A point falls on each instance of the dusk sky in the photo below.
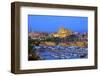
(47, 23)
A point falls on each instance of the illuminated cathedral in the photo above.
(62, 32)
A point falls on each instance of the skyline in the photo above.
(48, 23)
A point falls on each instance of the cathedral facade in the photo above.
(62, 33)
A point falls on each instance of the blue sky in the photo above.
(47, 23)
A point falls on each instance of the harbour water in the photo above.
(61, 52)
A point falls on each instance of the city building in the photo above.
(62, 33)
(37, 35)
